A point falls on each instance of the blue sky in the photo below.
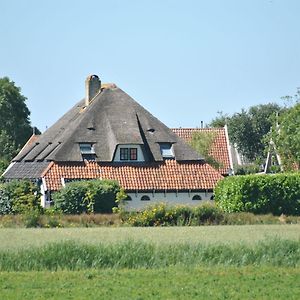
(182, 60)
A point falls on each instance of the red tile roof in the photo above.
(219, 150)
(167, 175)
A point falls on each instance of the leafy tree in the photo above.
(248, 128)
(286, 137)
(15, 128)
(219, 121)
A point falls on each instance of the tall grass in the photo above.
(131, 254)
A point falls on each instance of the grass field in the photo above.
(167, 283)
(11, 238)
(209, 262)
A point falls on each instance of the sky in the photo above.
(184, 61)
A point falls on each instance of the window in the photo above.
(128, 154)
(145, 198)
(87, 151)
(128, 198)
(133, 153)
(197, 197)
(166, 150)
(124, 153)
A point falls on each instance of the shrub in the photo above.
(19, 196)
(94, 196)
(206, 214)
(247, 169)
(180, 215)
(31, 218)
(276, 194)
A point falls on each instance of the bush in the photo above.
(31, 218)
(181, 215)
(19, 196)
(247, 169)
(94, 196)
(261, 194)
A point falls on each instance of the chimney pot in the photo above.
(92, 88)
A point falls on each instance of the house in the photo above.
(108, 135)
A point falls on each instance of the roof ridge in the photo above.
(47, 169)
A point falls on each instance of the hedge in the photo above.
(18, 197)
(93, 196)
(261, 194)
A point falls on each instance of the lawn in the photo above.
(167, 283)
(12, 238)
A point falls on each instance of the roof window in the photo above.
(87, 150)
(166, 150)
(128, 154)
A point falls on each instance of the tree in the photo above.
(219, 121)
(247, 129)
(15, 128)
(286, 136)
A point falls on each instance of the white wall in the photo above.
(140, 155)
(172, 198)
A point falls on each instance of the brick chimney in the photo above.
(92, 88)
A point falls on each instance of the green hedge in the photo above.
(18, 197)
(94, 196)
(262, 194)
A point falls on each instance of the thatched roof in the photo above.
(112, 118)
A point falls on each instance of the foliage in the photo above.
(162, 214)
(277, 194)
(120, 201)
(247, 169)
(78, 197)
(52, 219)
(220, 121)
(19, 196)
(31, 218)
(248, 128)
(3, 166)
(287, 137)
(202, 143)
(15, 128)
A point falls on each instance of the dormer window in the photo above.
(87, 151)
(166, 150)
(128, 154)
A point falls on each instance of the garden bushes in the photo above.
(94, 196)
(162, 214)
(261, 194)
(19, 197)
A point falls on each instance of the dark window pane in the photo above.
(133, 153)
(124, 153)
